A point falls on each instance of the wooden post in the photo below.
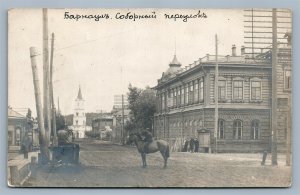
(216, 97)
(288, 135)
(47, 110)
(14, 175)
(122, 134)
(274, 86)
(51, 93)
(42, 133)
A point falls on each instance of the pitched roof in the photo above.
(175, 61)
(13, 114)
(79, 96)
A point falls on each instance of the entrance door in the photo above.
(204, 142)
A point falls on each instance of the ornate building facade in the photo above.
(186, 102)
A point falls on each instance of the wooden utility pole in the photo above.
(216, 97)
(122, 134)
(288, 136)
(47, 110)
(274, 86)
(51, 92)
(39, 108)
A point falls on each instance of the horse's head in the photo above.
(133, 137)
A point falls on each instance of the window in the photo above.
(191, 90)
(182, 95)
(201, 90)
(255, 90)
(18, 136)
(178, 96)
(196, 91)
(76, 113)
(237, 129)
(174, 97)
(222, 90)
(186, 94)
(163, 101)
(255, 129)
(237, 90)
(221, 129)
(287, 79)
(76, 122)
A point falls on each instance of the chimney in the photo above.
(233, 50)
(207, 56)
(243, 50)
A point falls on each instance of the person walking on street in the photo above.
(185, 145)
(196, 145)
(192, 145)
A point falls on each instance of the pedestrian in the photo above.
(185, 145)
(196, 145)
(192, 145)
(25, 145)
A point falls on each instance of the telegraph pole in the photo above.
(122, 134)
(274, 86)
(51, 92)
(39, 108)
(47, 110)
(216, 97)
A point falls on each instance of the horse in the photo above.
(155, 146)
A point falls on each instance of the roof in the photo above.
(174, 67)
(79, 96)
(175, 61)
(13, 114)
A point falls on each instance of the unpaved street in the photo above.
(108, 165)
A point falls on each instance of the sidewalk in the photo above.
(18, 160)
(281, 158)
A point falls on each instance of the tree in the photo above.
(142, 107)
(60, 122)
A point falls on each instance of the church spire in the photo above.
(79, 96)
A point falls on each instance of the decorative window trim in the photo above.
(243, 88)
(235, 136)
(225, 98)
(219, 132)
(284, 78)
(255, 79)
(258, 130)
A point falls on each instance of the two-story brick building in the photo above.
(186, 105)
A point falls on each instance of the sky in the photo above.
(104, 56)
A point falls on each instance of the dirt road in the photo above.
(103, 164)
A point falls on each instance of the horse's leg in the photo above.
(144, 159)
(165, 155)
(142, 155)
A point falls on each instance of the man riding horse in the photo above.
(148, 139)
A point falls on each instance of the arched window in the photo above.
(237, 129)
(255, 129)
(221, 129)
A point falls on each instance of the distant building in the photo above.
(103, 125)
(19, 126)
(79, 118)
(186, 102)
(118, 102)
(118, 122)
